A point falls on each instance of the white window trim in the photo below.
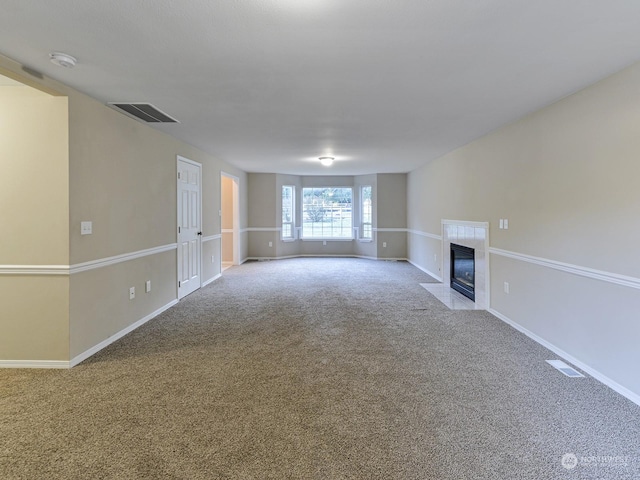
(292, 238)
(289, 239)
(362, 223)
(358, 238)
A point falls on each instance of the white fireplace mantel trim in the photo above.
(466, 223)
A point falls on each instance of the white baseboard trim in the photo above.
(615, 386)
(287, 257)
(313, 255)
(211, 280)
(34, 364)
(428, 272)
(96, 348)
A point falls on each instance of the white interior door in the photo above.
(189, 226)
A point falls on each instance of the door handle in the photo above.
(199, 233)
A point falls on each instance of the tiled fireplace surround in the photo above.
(473, 235)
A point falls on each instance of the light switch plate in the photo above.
(132, 293)
(506, 224)
(147, 286)
(86, 228)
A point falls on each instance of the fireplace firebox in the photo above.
(463, 270)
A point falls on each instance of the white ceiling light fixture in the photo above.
(63, 60)
(326, 161)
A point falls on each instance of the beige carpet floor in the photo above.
(316, 369)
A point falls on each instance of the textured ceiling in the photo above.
(384, 86)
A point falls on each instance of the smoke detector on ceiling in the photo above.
(63, 60)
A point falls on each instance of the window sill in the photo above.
(288, 240)
(365, 240)
(327, 239)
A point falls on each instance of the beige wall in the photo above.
(35, 317)
(566, 179)
(100, 305)
(262, 198)
(123, 178)
(34, 200)
(91, 163)
(392, 214)
(210, 269)
(265, 218)
(34, 185)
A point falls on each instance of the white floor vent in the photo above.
(564, 368)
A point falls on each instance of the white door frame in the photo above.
(235, 215)
(199, 244)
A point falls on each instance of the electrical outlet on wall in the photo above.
(213, 259)
(506, 287)
(147, 286)
(271, 244)
(384, 244)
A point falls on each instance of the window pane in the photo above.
(287, 211)
(327, 212)
(367, 230)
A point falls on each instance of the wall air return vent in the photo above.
(143, 111)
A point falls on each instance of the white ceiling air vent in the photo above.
(143, 111)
